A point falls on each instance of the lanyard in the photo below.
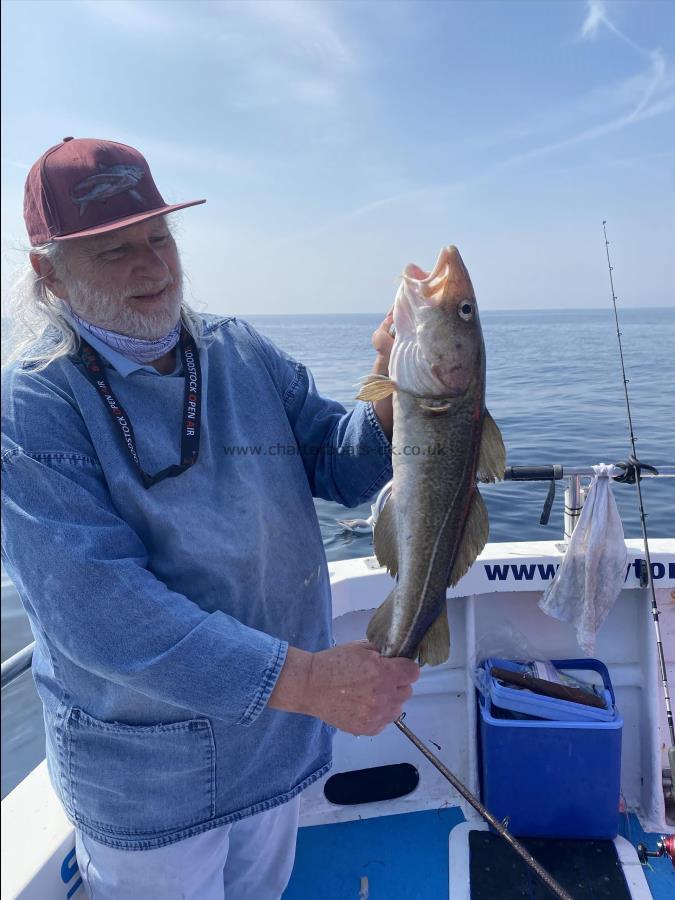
(190, 427)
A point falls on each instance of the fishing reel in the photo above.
(665, 846)
(632, 470)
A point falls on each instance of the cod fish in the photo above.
(435, 523)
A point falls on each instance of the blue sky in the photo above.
(338, 141)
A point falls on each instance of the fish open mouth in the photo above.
(434, 352)
(428, 286)
(448, 276)
(420, 289)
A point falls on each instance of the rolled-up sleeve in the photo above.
(346, 455)
(83, 573)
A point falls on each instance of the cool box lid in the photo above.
(522, 700)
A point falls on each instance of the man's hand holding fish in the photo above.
(350, 686)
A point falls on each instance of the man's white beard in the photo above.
(107, 310)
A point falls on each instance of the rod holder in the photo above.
(574, 503)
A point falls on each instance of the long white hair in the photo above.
(41, 331)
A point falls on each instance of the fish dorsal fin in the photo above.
(474, 539)
(376, 387)
(384, 538)
(434, 647)
(492, 457)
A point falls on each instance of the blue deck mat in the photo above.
(405, 857)
(660, 874)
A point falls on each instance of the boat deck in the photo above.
(405, 857)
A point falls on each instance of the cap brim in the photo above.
(127, 220)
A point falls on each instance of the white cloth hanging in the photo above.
(593, 570)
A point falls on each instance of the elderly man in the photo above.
(177, 589)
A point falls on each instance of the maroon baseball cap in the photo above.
(84, 186)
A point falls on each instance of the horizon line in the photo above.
(484, 309)
(491, 309)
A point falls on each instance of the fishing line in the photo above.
(633, 474)
(498, 826)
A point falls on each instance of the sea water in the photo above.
(554, 387)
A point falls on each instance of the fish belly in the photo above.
(432, 493)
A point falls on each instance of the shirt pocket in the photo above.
(139, 780)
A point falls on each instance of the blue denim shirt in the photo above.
(162, 617)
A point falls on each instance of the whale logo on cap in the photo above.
(107, 183)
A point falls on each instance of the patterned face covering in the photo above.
(137, 349)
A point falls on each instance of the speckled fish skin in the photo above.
(434, 524)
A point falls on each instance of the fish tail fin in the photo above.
(434, 648)
(379, 626)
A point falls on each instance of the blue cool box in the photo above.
(518, 700)
(552, 778)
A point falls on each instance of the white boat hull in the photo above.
(501, 591)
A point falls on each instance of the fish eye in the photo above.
(466, 311)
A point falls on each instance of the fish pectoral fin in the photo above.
(492, 456)
(385, 541)
(434, 647)
(376, 387)
(474, 539)
(380, 625)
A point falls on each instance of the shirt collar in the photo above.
(120, 363)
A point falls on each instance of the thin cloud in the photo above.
(15, 164)
(416, 194)
(621, 161)
(658, 108)
(178, 154)
(131, 15)
(273, 83)
(656, 98)
(658, 76)
(419, 194)
(307, 25)
(596, 17)
(188, 157)
(287, 52)
(276, 51)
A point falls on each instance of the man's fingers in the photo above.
(387, 321)
(403, 670)
(367, 645)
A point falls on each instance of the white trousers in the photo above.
(249, 860)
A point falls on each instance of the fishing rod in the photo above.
(498, 826)
(633, 474)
